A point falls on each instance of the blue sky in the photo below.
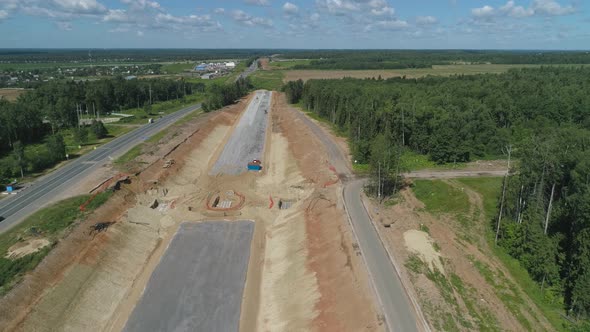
(414, 24)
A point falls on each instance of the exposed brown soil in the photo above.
(461, 247)
(264, 63)
(304, 272)
(26, 247)
(11, 94)
(345, 303)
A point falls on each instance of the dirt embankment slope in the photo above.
(305, 272)
(81, 283)
(456, 277)
(345, 302)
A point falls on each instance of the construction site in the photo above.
(234, 220)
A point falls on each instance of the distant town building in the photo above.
(230, 65)
(201, 67)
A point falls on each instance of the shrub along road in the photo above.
(41, 192)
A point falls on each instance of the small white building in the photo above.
(230, 65)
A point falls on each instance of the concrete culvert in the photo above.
(285, 204)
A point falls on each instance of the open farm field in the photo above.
(11, 94)
(443, 70)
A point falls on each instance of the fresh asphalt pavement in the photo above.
(398, 312)
(397, 309)
(41, 192)
(248, 138)
(199, 282)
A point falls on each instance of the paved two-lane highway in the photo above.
(399, 311)
(41, 192)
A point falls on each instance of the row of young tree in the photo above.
(39, 116)
(220, 95)
(541, 116)
(60, 104)
(399, 59)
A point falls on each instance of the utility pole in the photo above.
(78, 114)
(150, 94)
(403, 129)
(379, 181)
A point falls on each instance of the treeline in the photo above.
(541, 116)
(38, 116)
(401, 59)
(125, 55)
(545, 220)
(220, 95)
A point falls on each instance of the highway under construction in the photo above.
(199, 241)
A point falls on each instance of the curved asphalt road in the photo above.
(41, 192)
(400, 314)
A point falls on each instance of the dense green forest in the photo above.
(38, 116)
(542, 116)
(400, 59)
(123, 55)
(220, 95)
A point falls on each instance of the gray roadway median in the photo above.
(43, 191)
(199, 281)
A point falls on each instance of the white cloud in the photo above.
(140, 5)
(258, 2)
(338, 7)
(116, 15)
(550, 7)
(538, 7)
(483, 12)
(65, 26)
(426, 20)
(393, 24)
(219, 10)
(511, 9)
(140, 33)
(3, 15)
(290, 9)
(245, 19)
(383, 11)
(80, 6)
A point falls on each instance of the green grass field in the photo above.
(177, 68)
(490, 189)
(287, 64)
(440, 197)
(49, 223)
(267, 79)
(440, 70)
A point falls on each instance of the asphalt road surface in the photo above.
(253, 67)
(397, 309)
(41, 192)
(395, 304)
(198, 284)
(248, 138)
